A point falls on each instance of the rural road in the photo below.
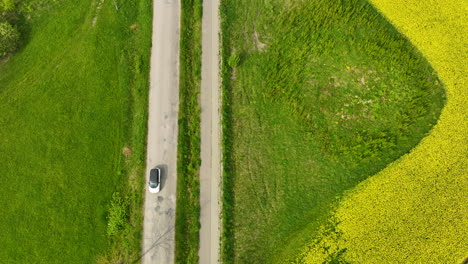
(210, 170)
(159, 208)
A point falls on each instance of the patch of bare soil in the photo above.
(260, 45)
(134, 26)
(126, 151)
(233, 74)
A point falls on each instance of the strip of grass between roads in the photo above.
(227, 196)
(188, 154)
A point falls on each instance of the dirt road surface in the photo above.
(159, 208)
(210, 170)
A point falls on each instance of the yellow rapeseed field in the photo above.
(415, 210)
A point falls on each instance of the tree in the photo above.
(9, 38)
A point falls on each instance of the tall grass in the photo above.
(227, 195)
(372, 96)
(188, 159)
(324, 95)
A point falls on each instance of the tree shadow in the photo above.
(24, 27)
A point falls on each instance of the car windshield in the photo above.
(154, 178)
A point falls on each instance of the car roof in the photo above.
(154, 173)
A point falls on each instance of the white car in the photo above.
(155, 180)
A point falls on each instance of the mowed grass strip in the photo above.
(325, 94)
(414, 211)
(72, 128)
(188, 155)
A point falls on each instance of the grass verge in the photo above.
(188, 154)
(126, 243)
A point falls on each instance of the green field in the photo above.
(72, 131)
(326, 94)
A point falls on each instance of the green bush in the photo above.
(7, 5)
(234, 60)
(118, 214)
(9, 38)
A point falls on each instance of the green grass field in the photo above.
(70, 100)
(326, 94)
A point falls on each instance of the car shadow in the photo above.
(163, 168)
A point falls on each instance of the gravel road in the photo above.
(159, 208)
(210, 170)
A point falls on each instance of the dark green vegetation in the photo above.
(325, 94)
(9, 38)
(73, 103)
(188, 156)
(10, 15)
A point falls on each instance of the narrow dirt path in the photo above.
(210, 170)
(159, 210)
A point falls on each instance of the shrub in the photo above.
(118, 214)
(7, 5)
(234, 60)
(9, 38)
